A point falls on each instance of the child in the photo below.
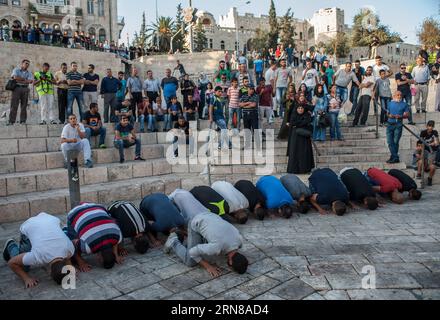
(431, 137)
(174, 110)
(383, 89)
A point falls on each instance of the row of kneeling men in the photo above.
(198, 223)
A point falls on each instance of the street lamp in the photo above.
(237, 40)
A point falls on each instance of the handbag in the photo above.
(342, 117)
(11, 85)
(303, 132)
(324, 120)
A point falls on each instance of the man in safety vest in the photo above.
(44, 81)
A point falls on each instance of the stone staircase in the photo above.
(32, 177)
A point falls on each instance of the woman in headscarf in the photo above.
(320, 102)
(289, 102)
(203, 85)
(300, 150)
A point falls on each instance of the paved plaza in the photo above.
(309, 257)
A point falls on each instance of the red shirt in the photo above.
(265, 95)
(387, 183)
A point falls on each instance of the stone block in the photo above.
(152, 186)
(32, 145)
(7, 164)
(95, 175)
(120, 172)
(12, 210)
(171, 185)
(142, 169)
(37, 131)
(53, 144)
(51, 205)
(293, 289)
(221, 170)
(23, 184)
(55, 130)
(161, 167)
(86, 196)
(13, 132)
(9, 147)
(30, 162)
(180, 168)
(52, 181)
(54, 160)
(152, 151)
(106, 155)
(148, 138)
(3, 190)
(128, 193)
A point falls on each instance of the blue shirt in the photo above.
(134, 84)
(218, 104)
(110, 85)
(169, 86)
(397, 108)
(275, 193)
(159, 208)
(258, 65)
(121, 92)
(327, 185)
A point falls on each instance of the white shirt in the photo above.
(310, 77)
(161, 110)
(48, 240)
(368, 91)
(235, 199)
(377, 69)
(70, 132)
(270, 75)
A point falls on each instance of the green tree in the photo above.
(141, 38)
(340, 45)
(287, 27)
(179, 40)
(273, 24)
(200, 40)
(429, 33)
(259, 41)
(161, 32)
(368, 29)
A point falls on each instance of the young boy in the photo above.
(182, 127)
(265, 93)
(73, 138)
(383, 89)
(93, 124)
(191, 108)
(216, 115)
(125, 137)
(123, 110)
(234, 105)
(431, 137)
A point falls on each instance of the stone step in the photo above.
(363, 166)
(21, 207)
(53, 160)
(44, 180)
(337, 159)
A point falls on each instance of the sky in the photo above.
(399, 15)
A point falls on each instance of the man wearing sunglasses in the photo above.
(404, 80)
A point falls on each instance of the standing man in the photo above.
(20, 95)
(90, 89)
(283, 77)
(109, 88)
(134, 86)
(61, 82)
(379, 66)
(169, 86)
(342, 78)
(397, 111)
(310, 77)
(122, 91)
(404, 80)
(234, 105)
(152, 87)
(359, 72)
(436, 75)
(216, 115)
(366, 93)
(75, 81)
(420, 74)
(258, 68)
(44, 81)
(249, 105)
(431, 137)
(242, 74)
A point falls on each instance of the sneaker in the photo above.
(139, 158)
(419, 176)
(42, 123)
(103, 146)
(412, 123)
(418, 111)
(9, 124)
(121, 161)
(89, 164)
(6, 255)
(169, 244)
(54, 122)
(429, 182)
(424, 111)
(23, 122)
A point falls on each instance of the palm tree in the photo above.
(161, 32)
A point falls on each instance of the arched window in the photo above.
(92, 31)
(4, 22)
(18, 22)
(222, 45)
(102, 35)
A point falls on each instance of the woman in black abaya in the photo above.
(299, 150)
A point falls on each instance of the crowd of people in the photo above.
(197, 224)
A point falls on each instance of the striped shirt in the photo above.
(129, 219)
(74, 76)
(234, 97)
(95, 229)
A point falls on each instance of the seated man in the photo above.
(151, 115)
(238, 204)
(133, 225)
(359, 188)
(408, 184)
(125, 137)
(123, 109)
(299, 191)
(278, 200)
(188, 205)
(142, 109)
(161, 213)
(431, 137)
(209, 235)
(254, 196)
(385, 184)
(191, 108)
(93, 124)
(213, 201)
(328, 190)
(43, 242)
(427, 165)
(182, 131)
(93, 231)
(73, 138)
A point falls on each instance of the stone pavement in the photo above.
(310, 257)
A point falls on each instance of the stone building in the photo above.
(97, 17)
(223, 35)
(393, 53)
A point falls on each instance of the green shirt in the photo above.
(45, 86)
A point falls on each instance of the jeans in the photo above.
(141, 119)
(189, 141)
(151, 122)
(362, 109)
(343, 94)
(221, 124)
(265, 111)
(71, 97)
(102, 132)
(122, 144)
(280, 105)
(83, 145)
(354, 95)
(24, 246)
(394, 133)
(335, 130)
(194, 239)
(167, 122)
(383, 114)
(258, 76)
(408, 99)
(236, 111)
(318, 132)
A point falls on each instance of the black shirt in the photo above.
(407, 182)
(211, 200)
(90, 87)
(404, 88)
(191, 106)
(129, 219)
(250, 191)
(429, 138)
(327, 185)
(357, 185)
(185, 127)
(92, 119)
